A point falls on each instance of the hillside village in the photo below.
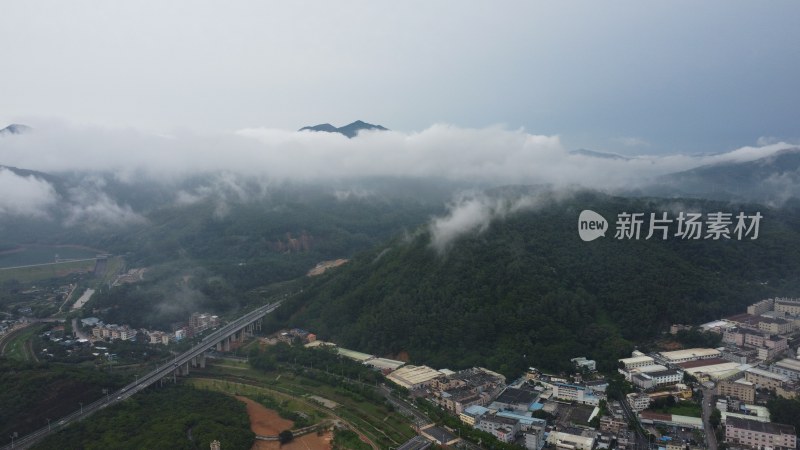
(674, 395)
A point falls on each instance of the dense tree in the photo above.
(784, 410)
(529, 292)
(173, 417)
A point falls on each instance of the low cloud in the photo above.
(473, 213)
(630, 141)
(25, 195)
(491, 156)
(88, 205)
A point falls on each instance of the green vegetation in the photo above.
(54, 270)
(32, 393)
(528, 292)
(172, 417)
(668, 405)
(348, 440)
(20, 346)
(696, 338)
(358, 402)
(786, 411)
(26, 255)
(298, 412)
(715, 418)
(285, 436)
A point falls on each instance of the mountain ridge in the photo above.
(350, 130)
(16, 128)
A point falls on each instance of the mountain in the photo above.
(56, 181)
(321, 127)
(596, 154)
(350, 130)
(528, 292)
(15, 128)
(772, 179)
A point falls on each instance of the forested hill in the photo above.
(528, 291)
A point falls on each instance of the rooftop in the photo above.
(352, 354)
(516, 396)
(495, 418)
(789, 363)
(760, 427)
(439, 434)
(768, 374)
(703, 363)
(383, 363)
(771, 320)
(408, 376)
(649, 368)
(665, 373)
(690, 353)
(636, 359)
(476, 410)
(747, 319)
(792, 302)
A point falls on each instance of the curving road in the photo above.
(153, 376)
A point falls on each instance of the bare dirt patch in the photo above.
(263, 421)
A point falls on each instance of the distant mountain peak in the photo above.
(596, 154)
(349, 130)
(16, 128)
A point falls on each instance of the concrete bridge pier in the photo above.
(199, 361)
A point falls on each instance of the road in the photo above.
(67, 297)
(144, 381)
(711, 437)
(641, 440)
(405, 408)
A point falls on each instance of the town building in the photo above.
(611, 424)
(459, 390)
(764, 378)
(756, 309)
(787, 366)
(739, 355)
(199, 322)
(576, 393)
(561, 439)
(414, 377)
(638, 401)
(758, 435)
(690, 354)
(503, 428)
(657, 379)
(534, 440)
(775, 326)
(114, 332)
(472, 414)
(526, 421)
(636, 361)
(789, 306)
(515, 399)
(741, 389)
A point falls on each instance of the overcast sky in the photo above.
(627, 76)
